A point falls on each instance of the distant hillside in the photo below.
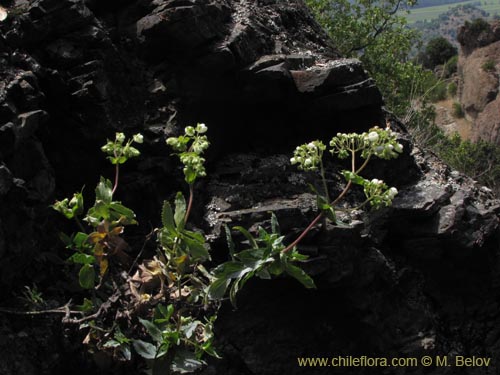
(447, 24)
(432, 3)
(432, 12)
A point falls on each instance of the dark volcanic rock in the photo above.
(417, 278)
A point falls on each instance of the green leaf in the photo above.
(104, 191)
(86, 277)
(121, 210)
(153, 330)
(66, 240)
(230, 242)
(218, 287)
(86, 306)
(300, 275)
(251, 255)
(275, 227)
(180, 210)
(145, 349)
(190, 175)
(354, 178)
(80, 240)
(189, 328)
(231, 270)
(111, 344)
(124, 350)
(248, 236)
(186, 362)
(196, 250)
(264, 274)
(163, 313)
(198, 237)
(167, 217)
(80, 258)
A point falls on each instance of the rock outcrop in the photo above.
(418, 278)
(478, 68)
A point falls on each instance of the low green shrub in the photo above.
(489, 65)
(457, 110)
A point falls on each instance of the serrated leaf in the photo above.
(145, 349)
(195, 236)
(153, 330)
(247, 235)
(180, 210)
(86, 276)
(121, 210)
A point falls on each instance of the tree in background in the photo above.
(438, 51)
(376, 33)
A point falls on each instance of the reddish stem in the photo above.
(190, 203)
(320, 215)
(117, 176)
(303, 234)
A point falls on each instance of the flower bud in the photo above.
(120, 137)
(373, 136)
(138, 138)
(201, 128)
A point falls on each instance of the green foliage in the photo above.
(376, 33)
(106, 217)
(451, 66)
(437, 51)
(177, 346)
(452, 89)
(263, 258)
(489, 65)
(190, 147)
(438, 91)
(458, 112)
(31, 296)
(480, 160)
(175, 329)
(478, 26)
(118, 152)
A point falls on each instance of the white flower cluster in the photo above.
(190, 147)
(379, 142)
(118, 152)
(308, 156)
(378, 193)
